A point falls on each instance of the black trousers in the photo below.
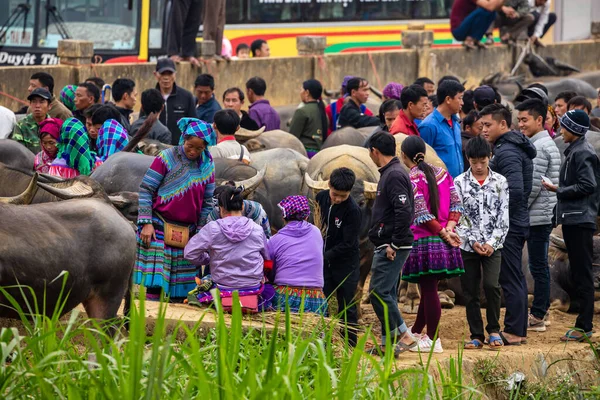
(476, 267)
(514, 285)
(344, 281)
(184, 22)
(536, 17)
(580, 242)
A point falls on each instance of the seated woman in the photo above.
(297, 255)
(112, 138)
(49, 134)
(234, 246)
(74, 156)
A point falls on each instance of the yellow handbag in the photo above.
(176, 235)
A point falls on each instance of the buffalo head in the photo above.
(26, 196)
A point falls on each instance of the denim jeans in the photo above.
(537, 247)
(384, 290)
(475, 25)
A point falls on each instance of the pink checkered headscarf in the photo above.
(295, 208)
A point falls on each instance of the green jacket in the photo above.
(27, 132)
(306, 125)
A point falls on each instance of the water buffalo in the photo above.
(16, 155)
(284, 176)
(87, 238)
(348, 135)
(285, 115)
(256, 141)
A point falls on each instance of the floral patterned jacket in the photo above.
(485, 210)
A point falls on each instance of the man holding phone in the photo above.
(541, 202)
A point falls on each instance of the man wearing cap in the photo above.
(46, 81)
(179, 103)
(483, 96)
(576, 211)
(27, 130)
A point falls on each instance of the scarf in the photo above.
(198, 128)
(295, 208)
(50, 126)
(112, 138)
(73, 146)
(67, 96)
(393, 90)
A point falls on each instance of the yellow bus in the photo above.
(135, 30)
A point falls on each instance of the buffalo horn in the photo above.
(316, 186)
(246, 134)
(558, 242)
(370, 190)
(26, 196)
(251, 184)
(376, 92)
(71, 189)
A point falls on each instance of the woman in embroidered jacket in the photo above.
(435, 253)
(178, 187)
(74, 156)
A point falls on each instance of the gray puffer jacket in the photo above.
(546, 163)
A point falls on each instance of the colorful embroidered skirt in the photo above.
(161, 266)
(432, 256)
(314, 299)
(265, 295)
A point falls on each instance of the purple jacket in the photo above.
(235, 247)
(264, 115)
(297, 254)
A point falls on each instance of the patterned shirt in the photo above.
(485, 210)
(27, 132)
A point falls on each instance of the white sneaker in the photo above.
(425, 345)
(416, 336)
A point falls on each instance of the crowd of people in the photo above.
(471, 20)
(504, 186)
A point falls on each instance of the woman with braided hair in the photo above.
(435, 253)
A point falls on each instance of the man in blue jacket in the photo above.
(441, 129)
(206, 104)
(513, 158)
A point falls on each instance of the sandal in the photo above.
(403, 348)
(576, 335)
(495, 340)
(469, 46)
(474, 344)
(506, 342)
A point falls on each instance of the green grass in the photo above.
(301, 358)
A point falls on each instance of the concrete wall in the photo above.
(285, 75)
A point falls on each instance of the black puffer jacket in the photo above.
(578, 186)
(513, 158)
(179, 104)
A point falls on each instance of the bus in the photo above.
(135, 30)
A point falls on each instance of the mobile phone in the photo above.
(547, 180)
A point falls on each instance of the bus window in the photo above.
(157, 23)
(107, 23)
(313, 11)
(20, 33)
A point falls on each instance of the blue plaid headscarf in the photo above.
(112, 138)
(198, 128)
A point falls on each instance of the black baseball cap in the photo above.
(40, 92)
(532, 93)
(165, 64)
(484, 96)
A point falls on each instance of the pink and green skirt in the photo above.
(314, 299)
(163, 267)
(432, 256)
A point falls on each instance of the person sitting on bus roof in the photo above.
(333, 109)
(27, 130)
(152, 102)
(85, 95)
(99, 82)
(351, 115)
(242, 51)
(46, 81)
(260, 49)
(179, 102)
(206, 104)
(260, 109)
(233, 98)
(470, 19)
(125, 97)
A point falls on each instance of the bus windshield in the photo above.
(109, 24)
